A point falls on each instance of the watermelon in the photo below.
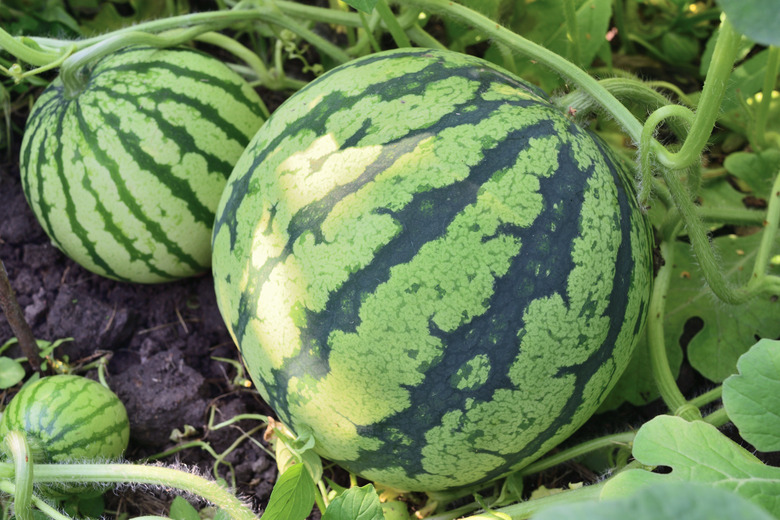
(68, 418)
(125, 175)
(430, 269)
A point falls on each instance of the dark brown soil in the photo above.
(161, 341)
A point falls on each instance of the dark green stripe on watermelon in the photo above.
(442, 291)
(310, 218)
(437, 396)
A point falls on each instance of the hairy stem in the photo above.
(578, 451)
(770, 78)
(708, 108)
(23, 469)
(517, 43)
(7, 487)
(768, 237)
(140, 474)
(697, 234)
(390, 21)
(71, 71)
(659, 363)
(707, 397)
(17, 48)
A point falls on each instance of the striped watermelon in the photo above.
(68, 418)
(125, 176)
(430, 268)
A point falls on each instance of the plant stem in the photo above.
(701, 244)
(659, 363)
(387, 16)
(768, 236)
(645, 145)
(243, 53)
(717, 418)
(724, 55)
(277, 15)
(16, 321)
(707, 397)
(23, 469)
(530, 507)
(140, 474)
(422, 38)
(736, 216)
(7, 487)
(280, 9)
(570, 14)
(24, 52)
(770, 78)
(71, 70)
(544, 56)
(578, 451)
(369, 33)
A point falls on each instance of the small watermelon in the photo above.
(125, 176)
(430, 268)
(68, 418)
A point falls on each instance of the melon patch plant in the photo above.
(435, 274)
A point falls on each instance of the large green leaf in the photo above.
(756, 170)
(746, 80)
(545, 24)
(293, 495)
(718, 193)
(668, 501)
(182, 510)
(697, 452)
(756, 19)
(728, 330)
(362, 5)
(357, 503)
(752, 398)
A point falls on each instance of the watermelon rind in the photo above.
(69, 418)
(430, 268)
(125, 175)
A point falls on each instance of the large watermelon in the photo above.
(125, 175)
(429, 267)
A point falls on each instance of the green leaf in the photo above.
(362, 5)
(11, 372)
(544, 23)
(756, 170)
(593, 18)
(756, 19)
(697, 452)
(745, 80)
(728, 330)
(669, 501)
(183, 510)
(291, 450)
(751, 398)
(292, 497)
(356, 503)
(719, 193)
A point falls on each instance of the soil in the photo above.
(161, 342)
